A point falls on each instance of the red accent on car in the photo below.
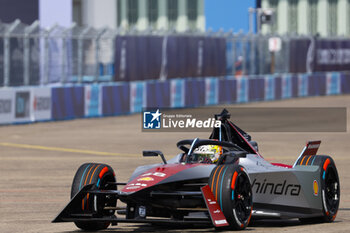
(157, 174)
(103, 171)
(325, 165)
(282, 165)
(217, 217)
(233, 182)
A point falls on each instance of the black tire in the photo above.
(232, 189)
(330, 189)
(99, 174)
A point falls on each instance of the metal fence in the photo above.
(30, 55)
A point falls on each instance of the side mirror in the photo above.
(149, 153)
(255, 145)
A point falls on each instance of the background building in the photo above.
(179, 15)
(325, 17)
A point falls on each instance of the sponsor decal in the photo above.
(269, 88)
(5, 106)
(313, 146)
(41, 103)
(315, 187)
(145, 179)
(93, 105)
(132, 187)
(211, 202)
(219, 222)
(159, 174)
(282, 188)
(177, 87)
(140, 184)
(136, 96)
(216, 211)
(22, 104)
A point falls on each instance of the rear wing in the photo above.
(310, 149)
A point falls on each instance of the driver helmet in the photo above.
(211, 152)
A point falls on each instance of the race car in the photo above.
(221, 182)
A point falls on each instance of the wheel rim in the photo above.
(107, 200)
(242, 200)
(332, 191)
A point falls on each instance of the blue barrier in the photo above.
(294, 86)
(194, 92)
(286, 86)
(177, 95)
(333, 84)
(278, 88)
(256, 89)
(269, 88)
(116, 99)
(227, 90)
(158, 94)
(242, 90)
(317, 85)
(303, 85)
(211, 91)
(68, 102)
(345, 83)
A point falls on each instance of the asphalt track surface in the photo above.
(38, 162)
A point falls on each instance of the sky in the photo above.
(228, 14)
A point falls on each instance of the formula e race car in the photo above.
(222, 181)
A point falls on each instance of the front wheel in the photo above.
(100, 175)
(231, 187)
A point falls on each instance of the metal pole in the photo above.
(258, 20)
(234, 55)
(7, 52)
(251, 18)
(97, 52)
(26, 55)
(80, 54)
(244, 55)
(64, 58)
(46, 63)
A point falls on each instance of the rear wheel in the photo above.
(330, 189)
(231, 187)
(100, 175)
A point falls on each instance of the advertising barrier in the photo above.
(136, 96)
(177, 95)
(211, 91)
(256, 89)
(30, 104)
(23, 106)
(7, 106)
(116, 99)
(68, 102)
(269, 88)
(93, 100)
(227, 90)
(158, 94)
(194, 92)
(41, 104)
(242, 90)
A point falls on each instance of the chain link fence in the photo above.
(30, 55)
